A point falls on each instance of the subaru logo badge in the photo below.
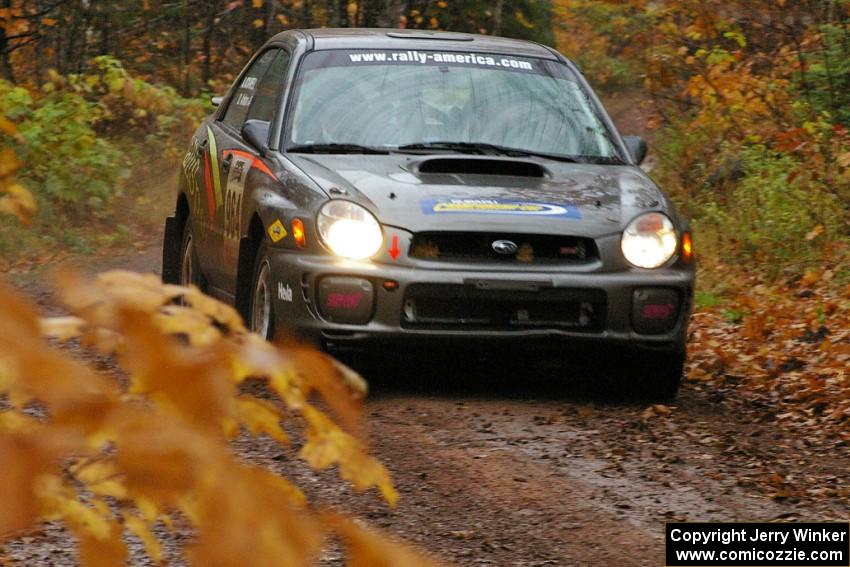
(505, 247)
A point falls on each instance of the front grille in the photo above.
(497, 307)
(478, 247)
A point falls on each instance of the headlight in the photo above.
(349, 230)
(649, 241)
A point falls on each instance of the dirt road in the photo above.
(499, 470)
(511, 462)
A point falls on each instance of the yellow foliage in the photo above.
(14, 198)
(158, 448)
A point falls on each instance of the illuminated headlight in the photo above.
(349, 230)
(649, 241)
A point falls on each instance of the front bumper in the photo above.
(603, 303)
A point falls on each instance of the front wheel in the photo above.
(261, 320)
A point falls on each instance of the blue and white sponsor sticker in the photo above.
(497, 207)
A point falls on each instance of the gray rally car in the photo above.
(366, 187)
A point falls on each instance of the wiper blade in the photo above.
(334, 148)
(602, 160)
(473, 147)
(482, 148)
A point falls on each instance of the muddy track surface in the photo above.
(520, 461)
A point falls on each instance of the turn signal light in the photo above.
(687, 247)
(298, 233)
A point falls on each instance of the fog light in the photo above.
(655, 310)
(346, 300)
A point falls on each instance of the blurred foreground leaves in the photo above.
(80, 448)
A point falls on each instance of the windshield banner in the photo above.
(424, 57)
(533, 65)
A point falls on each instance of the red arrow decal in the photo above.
(394, 251)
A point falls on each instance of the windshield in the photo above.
(395, 99)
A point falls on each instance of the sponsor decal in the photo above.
(660, 311)
(497, 207)
(284, 293)
(348, 301)
(254, 161)
(425, 57)
(192, 170)
(276, 231)
(235, 188)
(244, 99)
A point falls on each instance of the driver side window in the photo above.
(270, 89)
(240, 102)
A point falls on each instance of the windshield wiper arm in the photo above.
(603, 160)
(477, 147)
(483, 147)
(335, 148)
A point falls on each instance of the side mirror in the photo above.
(217, 100)
(256, 133)
(637, 147)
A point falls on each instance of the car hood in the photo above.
(579, 199)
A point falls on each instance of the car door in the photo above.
(229, 167)
(251, 171)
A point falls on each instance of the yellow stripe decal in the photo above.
(216, 172)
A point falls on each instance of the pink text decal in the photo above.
(663, 311)
(344, 300)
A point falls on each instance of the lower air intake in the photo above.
(446, 307)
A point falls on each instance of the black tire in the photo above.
(261, 316)
(657, 376)
(190, 269)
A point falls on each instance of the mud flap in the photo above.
(245, 275)
(171, 250)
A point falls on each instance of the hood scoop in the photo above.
(482, 166)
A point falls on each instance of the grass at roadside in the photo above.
(131, 220)
(99, 152)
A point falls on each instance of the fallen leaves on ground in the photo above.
(786, 348)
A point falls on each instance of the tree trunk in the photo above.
(67, 63)
(88, 29)
(5, 63)
(105, 22)
(209, 30)
(187, 50)
(497, 17)
(306, 14)
(271, 14)
(405, 13)
(342, 10)
(332, 7)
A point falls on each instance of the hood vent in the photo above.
(477, 166)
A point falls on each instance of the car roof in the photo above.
(384, 38)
